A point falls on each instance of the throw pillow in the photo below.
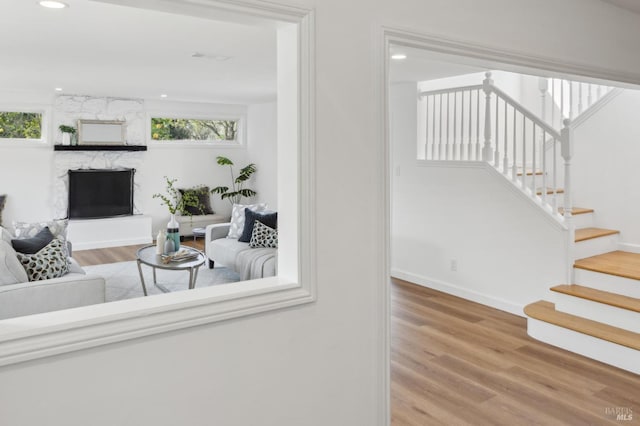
(263, 236)
(50, 262)
(270, 219)
(237, 218)
(204, 201)
(3, 199)
(11, 270)
(35, 244)
(5, 235)
(57, 227)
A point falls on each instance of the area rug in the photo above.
(123, 279)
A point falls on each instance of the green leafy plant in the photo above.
(237, 190)
(67, 129)
(178, 202)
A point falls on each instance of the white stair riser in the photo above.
(591, 347)
(596, 246)
(606, 282)
(584, 220)
(606, 314)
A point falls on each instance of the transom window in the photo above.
(188, 129)
(20, 125)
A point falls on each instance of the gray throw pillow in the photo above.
(11, 271)
(50, 262)
(35, 244)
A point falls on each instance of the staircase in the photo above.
(599, 316)
(597, 312)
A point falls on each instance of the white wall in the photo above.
(507, 253)
(319, 364)
(605, 166)
(262, 150)
(190, 165)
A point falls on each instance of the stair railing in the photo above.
(568, 98)
(462, 126)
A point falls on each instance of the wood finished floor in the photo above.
(454, 362)
(118, 254)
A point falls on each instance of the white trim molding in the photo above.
(43, 335)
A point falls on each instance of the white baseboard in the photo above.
(494, 302)
(110, 243)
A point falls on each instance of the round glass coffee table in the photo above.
(147, 256)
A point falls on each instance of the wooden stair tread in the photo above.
(576, 210)
(605, 297)
(583, 234)
(546, 311)
(619, 263)
(550, 191)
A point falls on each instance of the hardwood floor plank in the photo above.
(443, 349)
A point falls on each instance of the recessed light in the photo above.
(53, 4)
(399, 56)
(163, 95)
(58, 89)
(211, 56)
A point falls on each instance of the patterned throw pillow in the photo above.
(237, 218)
(263, 236)
(29, 230)
(50, 262)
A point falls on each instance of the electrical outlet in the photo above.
(454, 265)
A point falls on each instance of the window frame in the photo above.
(45, 133)
(50, 334)
(239, 142)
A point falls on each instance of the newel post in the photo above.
(543, 86)
(487, 87)
(566, 136)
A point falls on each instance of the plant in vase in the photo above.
(176, 201)
(68, 133)
(237, 190)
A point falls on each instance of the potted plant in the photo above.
(175, 202)
(67, 133)
(237, 190)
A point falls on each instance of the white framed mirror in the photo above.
(101, 132)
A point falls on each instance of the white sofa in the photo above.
(19, 297)
(249, 263)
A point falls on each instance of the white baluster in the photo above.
(505, 157)
(514, 171)
(567, 153)
(561, 99)
(477, 125)
(440, 144)
(571, 99)
(496, 159)
(589, 98)
(426, 129)
(433, 128)
(469, 141)
(555, 174)
(553, 102)
(462, 150)
(544, 165)
(487, 152)
(448, 141)
(524, 152)
(543, 86)
(533, 159)
(579, 98)
(456, 145)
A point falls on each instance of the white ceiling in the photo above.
(631, 5)
(422, 65)
(93, 48)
